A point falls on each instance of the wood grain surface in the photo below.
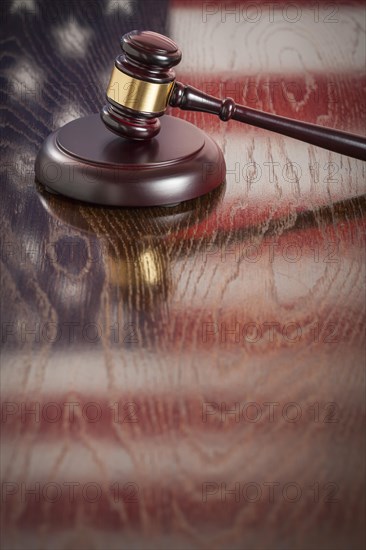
(190, 377)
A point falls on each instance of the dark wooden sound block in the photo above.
(86, 161)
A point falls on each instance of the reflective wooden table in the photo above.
(188, 377)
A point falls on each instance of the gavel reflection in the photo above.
(143, 85)
(136, 260)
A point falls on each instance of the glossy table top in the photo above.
(187, 377)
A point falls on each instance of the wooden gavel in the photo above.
(143, 85)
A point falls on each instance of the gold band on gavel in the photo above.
(136, 94)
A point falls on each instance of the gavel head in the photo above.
(140, 85)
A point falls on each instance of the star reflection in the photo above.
(23, 5)
(72, 39)
(121, 6)
(25, 81)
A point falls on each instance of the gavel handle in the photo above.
(191, 99)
